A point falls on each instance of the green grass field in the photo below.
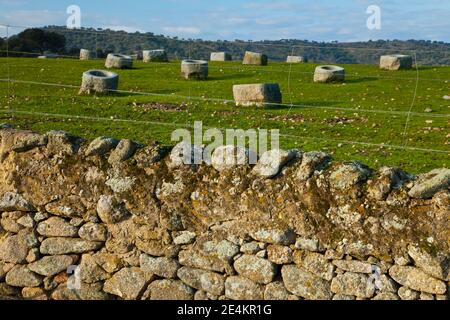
(348, 120)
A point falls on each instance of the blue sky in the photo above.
(321, 20)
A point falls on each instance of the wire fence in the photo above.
(289, 69)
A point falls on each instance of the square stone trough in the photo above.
(259, 95)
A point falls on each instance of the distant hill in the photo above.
(106, 41)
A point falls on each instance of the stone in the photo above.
(406, 293)
(14, 249)
(170, 290)
(349, 175)
(56, 227)
(416, 279)
(256, 269)
(19, 141)
(99, 81)
(315, 263)
(26, 221)
(228, 157)
(429, 184)
(260, 94)
(295, 59)
(251, 247)
(93, 232)
(396, 62)
(185, 154)
(271, 162)
(277, 291)
(128, 283)
(437, 266)
(220, 56)
(159, 55)
(197, 259)
(386, 296)
(110, 210)
(160, 266)
(194, 69)
(426, 296)
(305, 284)
(254, 58)
(274, 235)
(21, 276)
(279, 254)
(67, 207)
(87, 292)
(118, 61)
(51, 265)
(312, 245)
(2, 271)
(388, 179)
(111, 263)
(386, 284)
(11, 201)
(354, 266)
(34, 294)
(62, 144)
(343, 297)
(224, 250)
(124, 151)
(85, 54)
(207, 281)
(240, 288)
(8, 291)
(100, 146)
(9, 221)
(185, 237)
(90, 271)
(327, 74)
(312, 162)
(353, 284)
(58, 246)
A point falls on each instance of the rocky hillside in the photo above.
(134, 222)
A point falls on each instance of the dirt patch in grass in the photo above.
(168, 107)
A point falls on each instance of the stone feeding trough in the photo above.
(220, 56)
(257, 94)
(194, 69)
(159, 55)
(396, 62)
(254, 58)
(118, 61)
(85, 54)
(326, 74)
(99, 81)
(295, 59)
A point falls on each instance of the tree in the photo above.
(37, 41)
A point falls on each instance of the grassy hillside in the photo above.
(371, 107)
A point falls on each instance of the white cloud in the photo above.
(182, 30)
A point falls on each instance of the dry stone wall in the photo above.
(138, 224)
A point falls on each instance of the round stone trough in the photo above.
(259, 94)
(155, 56)
(326, 74)
(99, 81)
(118, 61)
(194, 69)
(396, 62)
(85, 54)
(255, 58)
